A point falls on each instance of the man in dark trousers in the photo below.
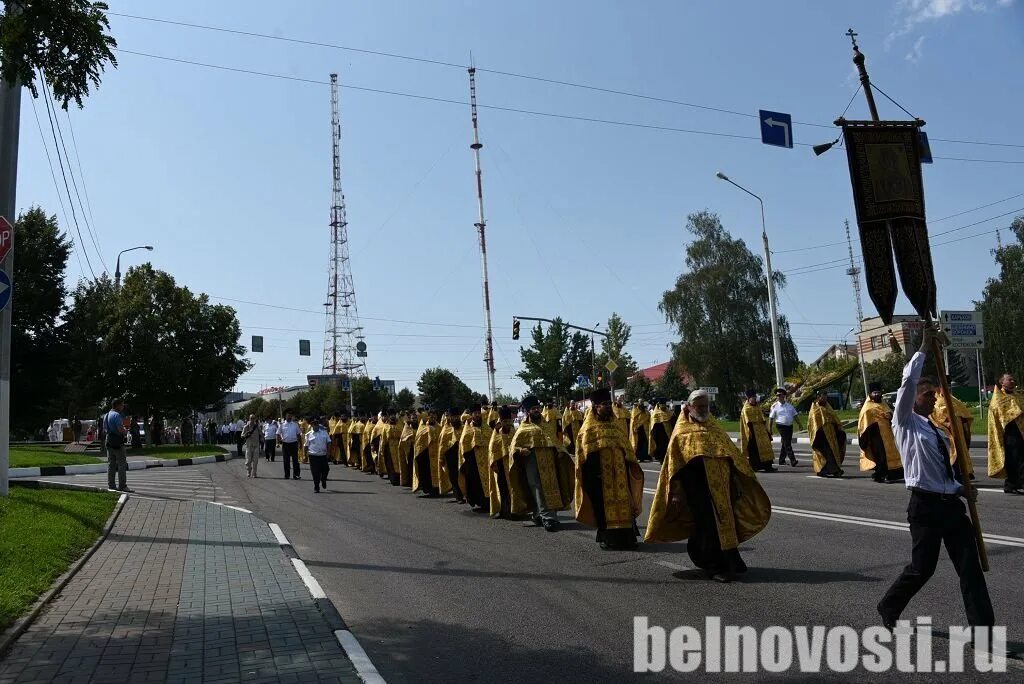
(288, 435)
(936, 512)
(317, 441)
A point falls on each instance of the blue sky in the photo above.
(228, 174)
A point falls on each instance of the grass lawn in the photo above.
(42, 532)
(178, 450)
(33, 457)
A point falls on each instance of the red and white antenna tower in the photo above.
(481, 227)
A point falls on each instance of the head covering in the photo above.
(529, 402)
(751, 394)
(601, 395)
(697, 394)
(781, 390)
(874, 387)
(505, 413)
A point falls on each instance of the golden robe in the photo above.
(447, 438)
(304, 427)
(355, 443)
(551, 424)
(378, 434)
(622, 479)
(1003, 410)
(406, 444)
(622, 417)
(754, 428)
(823, 424)
(877, 413)
(940, 416)
(475, 441)
(553, 464)
(426, 443)
(497, 461)
(741, 506)
(572, 420)
(338, 429)
(661, 416)
(639, 422)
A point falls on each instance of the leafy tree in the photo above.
(503, 399)
(37, 350)
(887, 370)
(153, 343)
(639, 387)
(441, 389)
(405, 400)
(257, 406)
(65, 39)
(957, 369)
(720, 311)
(613, 347)
(554, 361)
(1002, 306)
(367, 399)
(671, 385)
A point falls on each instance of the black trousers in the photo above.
(882, 470)
(290, 456)
(318, 467)
(269, 449)
(937, 519)
(451, 460)
(422, 465)
(504, 495)
(237, 436)
(642, 453)
(1014, 457)
(786, 434)
(474, 487)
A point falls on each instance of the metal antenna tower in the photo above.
(342, 327)
(854, 273)
(481, 227)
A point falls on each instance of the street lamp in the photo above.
(776, 342)
(117, 269)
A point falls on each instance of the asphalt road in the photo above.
(435, 592)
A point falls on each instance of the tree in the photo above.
(1002, 305)
(554, 361)
(503, 399)
(957, 368)
(613, 347)
(368, 400)
(887, 370)
(671, 385)
(66, 40)
(405, 400)
(257, 406)
(441, 389)
(153, 343)
(639, 388)
(720, 311)
(37, 349)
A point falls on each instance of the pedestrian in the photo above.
(541, 477)
(828, 439)
(270, 440)
(755, 440)
(936, 514)
(662, 423)
(236, 434)
(135, 431)
(451, 429)
(288, 435)
(317, 440)
(782, 415)
(116, 436)
(474, 466)
(427, 475)
(250, 437)
(1006, 435)
(499, 462)
(878, 452)
(76, 428)
(640, 424)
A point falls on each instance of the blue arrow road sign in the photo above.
(776, 128)
(582, 381)
(5, 290)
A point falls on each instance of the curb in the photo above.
(11, 635)
(91, 468)
(349, 644)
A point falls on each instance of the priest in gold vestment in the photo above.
(878, 451)
(755, 440)
(828, 439)
(541, 478)
(1006, 435)
(474, 467)
(640, 431)
(499, 464)
(707, 494)
(662, 423)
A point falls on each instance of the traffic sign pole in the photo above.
(10, 118)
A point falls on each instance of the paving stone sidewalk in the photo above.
(181, 591)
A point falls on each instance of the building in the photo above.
(837, 351)
(654, 373)
(874, 335)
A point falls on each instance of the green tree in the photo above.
(888, 371)
(554, 360)
(613, 347)
(1002, 305)
(67, 40)
(367, 399)
(37, 348)
(639, 387)
(720, 310)
(671, 385)
(440, 389)
(153, 343)
(503, 399)
(257, 406)
(405, 400)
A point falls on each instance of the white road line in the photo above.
(364, 667)
(279, 533)
(307, 577)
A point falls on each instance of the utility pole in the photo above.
(10, 120)
(481, 227)
(854, 273)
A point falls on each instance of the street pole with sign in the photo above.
(10, 118)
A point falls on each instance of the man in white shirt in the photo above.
(783, 414)
(936, 514)
(317, 442)
(288, 435)
(270, 440)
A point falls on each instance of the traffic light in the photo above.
(600, 379)
(515, 328)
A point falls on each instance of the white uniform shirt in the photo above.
(783, 413)
(316, 442)
(288, 432)
(270, 430)
(924, 464)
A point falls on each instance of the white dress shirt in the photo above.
(316, 442)
(783, 413)
(289, 432)
(270, 430)
(924, 465)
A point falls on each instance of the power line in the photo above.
(512, 74)
(78, 160)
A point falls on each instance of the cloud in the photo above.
(915, 52)
(913, 13)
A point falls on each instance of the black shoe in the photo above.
(770, 469)
(551, 525)
(296, 477)
(794, 463)
(316, 491)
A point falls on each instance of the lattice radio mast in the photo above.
(481, 227)
(854, 273)
(342, 331)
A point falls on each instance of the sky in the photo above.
(228, 174)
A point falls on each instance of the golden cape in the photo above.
(753, 427)
(940, 416)
(426, 445)
(551, 421)
(622, 479)
(822, 421)
(1003, 410)
(741, 505)
(476, 440)
(639, 420)
(355, 443)
(572, 419)
(875, 413)
(622, 417)
(446, 440)
(498, 460)
(553, 464)
(406, 445)
(661, 415)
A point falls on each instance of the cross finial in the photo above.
(853, 37)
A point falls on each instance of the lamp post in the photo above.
(117, 268)
(776, 342)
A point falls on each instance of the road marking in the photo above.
(364, 667)
(234, 508)
(279, 533)
(307, 577)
